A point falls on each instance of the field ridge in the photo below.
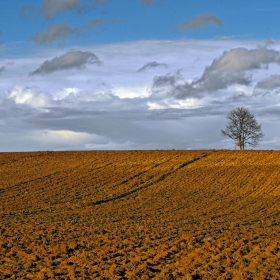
(195, 214)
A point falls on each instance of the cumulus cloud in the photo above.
(71, 60)
(50, 8)
(235, 66)
(31, 96)
(232, 67)
(270, 83)
(150, 65)
(242, 59)
(199, 21)
(26, 11)
(53, 33)
(172, 85)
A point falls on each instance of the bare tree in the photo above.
(243, 128)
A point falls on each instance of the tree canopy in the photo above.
(242, 128)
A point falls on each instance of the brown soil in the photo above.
(140, 215)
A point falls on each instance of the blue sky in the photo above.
(126, 20)
(136, 74)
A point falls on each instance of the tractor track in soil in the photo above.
(124, 195)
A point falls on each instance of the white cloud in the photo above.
(32, 97)
(269, 83)
(114, 107)
(131, 91)
(234, 67)
(61, 137)
(50, 139)
(63, 93)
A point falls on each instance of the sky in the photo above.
(136, 74)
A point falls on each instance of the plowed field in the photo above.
(140, 215)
